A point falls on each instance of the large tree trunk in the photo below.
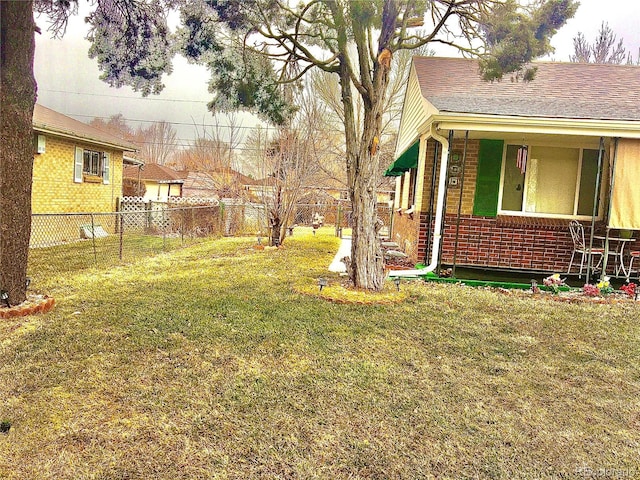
(17, 99)
(367, 263)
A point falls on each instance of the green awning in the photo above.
(406, 161)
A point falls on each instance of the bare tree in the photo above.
(157, 142)
(324, 86)
(604, 49)
(115, 125)
(289, 163)
(214, 152)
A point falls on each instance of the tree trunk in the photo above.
(17, 98)
(367, 263)
(276, 226)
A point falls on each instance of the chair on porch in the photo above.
(580, 247)
(633, 255)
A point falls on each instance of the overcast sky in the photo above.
(68, 80)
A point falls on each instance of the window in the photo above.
(556, 181)
(413, 177)
(90, 165)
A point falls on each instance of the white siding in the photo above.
(415, 112)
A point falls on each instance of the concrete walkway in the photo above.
(344, 251)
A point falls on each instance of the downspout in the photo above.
(437, 230)
(432, 191)
(444, 206)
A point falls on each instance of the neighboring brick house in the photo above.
(76, 168)
(518, 161)
(160, 182)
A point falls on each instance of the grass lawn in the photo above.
(205, 363)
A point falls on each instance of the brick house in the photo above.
(489, 174)
(76, 168)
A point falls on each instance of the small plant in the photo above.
(605, 286)
(590, 290)
(629, 289)
(554, 282)
(5, 426)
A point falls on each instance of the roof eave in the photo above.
(72, 136)
(532, 125)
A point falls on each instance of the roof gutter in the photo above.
(102, 143)
(538, 125)
(437, 231)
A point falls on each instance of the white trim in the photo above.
(576, 196)
(523, 213)
(106, 168)
(91, 141)
(531, 125)
(78, 164)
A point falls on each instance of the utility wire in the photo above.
(146, 99)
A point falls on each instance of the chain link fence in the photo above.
(73, 241)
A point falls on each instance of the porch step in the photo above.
(395, 254)
(392, 245)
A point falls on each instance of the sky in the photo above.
(68, 81)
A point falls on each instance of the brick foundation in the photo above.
(509, 243)
(517, 243)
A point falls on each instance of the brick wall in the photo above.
(522, 243)
(406, 228)
(54, 190)
(509, 242)
(468, 186)
(405, 233)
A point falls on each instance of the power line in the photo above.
(146, 99)
(174, 100)
(193, 124)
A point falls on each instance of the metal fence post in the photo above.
(121, 222)
(93, 239)
(148, 207)
(182, 214)
(164, 227)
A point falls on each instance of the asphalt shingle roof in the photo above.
(153, 172)
(559, 90)
(49, 120)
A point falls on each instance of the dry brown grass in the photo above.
(206, 364)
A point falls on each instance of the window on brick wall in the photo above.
(553, 181)
(91, 165)
(92, 162)
(413, 182)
